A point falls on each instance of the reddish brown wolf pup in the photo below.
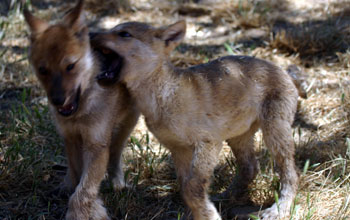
(192, 111)
(95, 122)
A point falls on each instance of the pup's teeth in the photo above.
(105, 74)
(68, 107)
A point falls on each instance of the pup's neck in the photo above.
(156, 90)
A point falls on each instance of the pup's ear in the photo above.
(173, 34)
(75, 19)
(35, 24)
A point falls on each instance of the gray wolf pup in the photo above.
(193, 110)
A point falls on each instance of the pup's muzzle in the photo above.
(111, 62)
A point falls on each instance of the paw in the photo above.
(206, 213)
(216, 216)
(98, 212)
(120, 183)
(76, 215)
(270, 214)
(239, 196)
(79, 212)
(274, 212)
(78, 208)
(237, 192)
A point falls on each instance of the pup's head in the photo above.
(139, 48)
(61, 57)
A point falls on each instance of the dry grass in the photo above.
(312, 34)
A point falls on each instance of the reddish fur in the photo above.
(96, 133)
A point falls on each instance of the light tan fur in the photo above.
(96, 131)
(192, 111)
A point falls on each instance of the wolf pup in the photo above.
(95, 122)
(192, 111)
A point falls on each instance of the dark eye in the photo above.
(70, 67)
(124, 34)
(43, 71)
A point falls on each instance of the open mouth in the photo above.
(111, 65)
(70, 108)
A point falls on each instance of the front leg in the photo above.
(115, 167)
(84, 203)
(119, 139)
(75, 164)
(74, 156)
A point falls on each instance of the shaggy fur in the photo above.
(192, 111)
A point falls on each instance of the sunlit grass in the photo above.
(32, 161)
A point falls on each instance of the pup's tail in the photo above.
(299, 79)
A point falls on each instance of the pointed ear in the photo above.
(35, 24)
(173, 34)
(75, 18)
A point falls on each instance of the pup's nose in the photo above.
(57, 93)
(58, 100)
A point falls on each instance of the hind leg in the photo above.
(278, 138)
(248, 167)
(194, 170)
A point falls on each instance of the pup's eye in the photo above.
(43, 71)
(70, 67)
(124, 34)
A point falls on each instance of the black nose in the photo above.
(57, 91)
(58, 100)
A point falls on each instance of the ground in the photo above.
(314, 35)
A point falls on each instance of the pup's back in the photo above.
(234, 83)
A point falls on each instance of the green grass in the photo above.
(32, 161)
(30, 148)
